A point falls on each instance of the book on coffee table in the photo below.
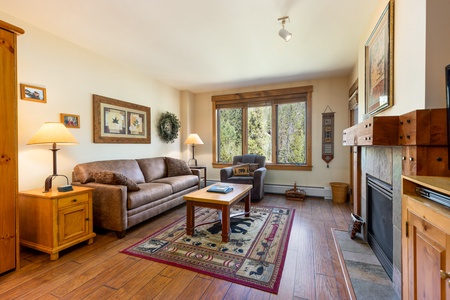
(220, 189)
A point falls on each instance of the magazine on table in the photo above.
(220, 189)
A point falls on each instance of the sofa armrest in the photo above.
(196, 172)
(109, 205)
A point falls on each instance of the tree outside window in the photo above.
(273, 123)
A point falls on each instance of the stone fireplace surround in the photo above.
(385, 163)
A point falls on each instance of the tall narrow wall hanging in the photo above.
(328, 135)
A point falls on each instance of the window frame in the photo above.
(273, 97)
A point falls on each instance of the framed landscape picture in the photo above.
(33, 93)
(117, 121)
(379, 63)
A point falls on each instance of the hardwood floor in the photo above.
(100, 271)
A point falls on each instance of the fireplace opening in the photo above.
(379, 221)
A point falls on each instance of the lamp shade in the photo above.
(193, 138)
(53, 132)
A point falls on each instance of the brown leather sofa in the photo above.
(130, 191)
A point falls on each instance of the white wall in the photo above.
(71, 75)
(332, 92)
(437, 51)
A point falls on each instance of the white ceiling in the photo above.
(210, 45)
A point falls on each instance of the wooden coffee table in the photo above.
(218, 201)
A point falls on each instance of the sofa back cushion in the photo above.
(153, 168)
(127, 167)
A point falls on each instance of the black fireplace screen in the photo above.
(379, 221)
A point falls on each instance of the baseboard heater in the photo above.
(313, 191)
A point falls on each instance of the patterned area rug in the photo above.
(254, 256)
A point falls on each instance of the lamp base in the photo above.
(48, 182)
(192, 160)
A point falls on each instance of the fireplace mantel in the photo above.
(400, 130)
(422, 134)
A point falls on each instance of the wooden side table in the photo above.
(202, 176)
(53, 221)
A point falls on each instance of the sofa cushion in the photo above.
(149, 192)
(179, 183)
(153, 168)
(107, 177)
(177, 167)
(127, 167)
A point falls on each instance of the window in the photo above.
(273, 123)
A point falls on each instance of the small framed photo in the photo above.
(70, 121)
(33, 93)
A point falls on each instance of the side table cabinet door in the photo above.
(73, 222)
(427, 257)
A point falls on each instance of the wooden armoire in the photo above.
(9, 239)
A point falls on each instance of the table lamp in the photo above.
(53, 133)
(193, 139)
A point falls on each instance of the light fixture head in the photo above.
(283, 33)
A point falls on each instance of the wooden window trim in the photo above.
(277, 96)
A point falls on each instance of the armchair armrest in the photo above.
(259, 174)
(226, 173)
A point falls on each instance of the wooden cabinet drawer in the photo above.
(422, 160)
(423, 127)
(68, 201)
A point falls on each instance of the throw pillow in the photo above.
(252, 168)
(177, 167)
(241, 170)
(114, 178)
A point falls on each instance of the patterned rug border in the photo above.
(273, 290)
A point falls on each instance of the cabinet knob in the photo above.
(444, 275)
(408, 136)
(403, 158)
(401, 136)
(411, 158)
(74, 200)
(408, 121)
(439, 159)
(401, 122)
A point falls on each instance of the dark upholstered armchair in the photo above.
(255, 176)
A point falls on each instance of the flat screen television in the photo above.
(447, 91)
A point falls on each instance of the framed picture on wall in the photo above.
(117, 121)
(70, 121)
(33, 93)
(379, 63)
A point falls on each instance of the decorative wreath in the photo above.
(169, 125)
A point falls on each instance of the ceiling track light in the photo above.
(283, 33)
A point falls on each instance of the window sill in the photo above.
(292, 167)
